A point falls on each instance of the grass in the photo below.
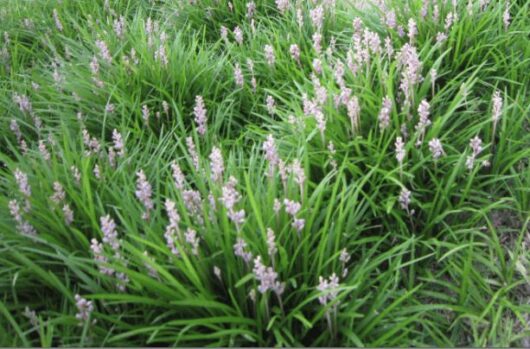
(451, 269)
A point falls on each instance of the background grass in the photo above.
(455, 273)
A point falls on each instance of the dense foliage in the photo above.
(264, 173)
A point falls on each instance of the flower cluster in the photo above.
(496, 109)
(193, 152)
(193, 202)
(253, 81)
(241, 250)
(230, 197)
(298, 174)
(59, 197)
(294, 50)
(292, 208)
(271, 154)
(404, 199)
(413, 30)
(267, 278)
(32, 316)
(23, 226)
(269, 55)
(119, 26)
(476, 148)
(271, 243)
(199, 111)
(271, 104)
(193, 240)
(44, 151)
(119, 146)
(58, 193)
(384, 113)
(329, 289)
(84, 308)
(172, 234)
(113, 244)
(216, 165)
(424, 122)
(344, 258)
(436, 148)
(317, 17)
(282, 5)
(354, 111)
(161, 55)
(144, 194)
(94, 68)
(92, 145)
(238, 35)
(178, 176)
(23, 102)
(400, 150)
(104, 52)
(57, 20)
(238, 76)
(409, 61)
(14, 127)
(23, 184)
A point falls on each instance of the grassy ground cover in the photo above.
(264, 173)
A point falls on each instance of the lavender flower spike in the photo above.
(267, 278)
(404, 199)
(199, 111)
(269, 55)
(84, 308)
(216, 164)
(400, 150)
(144, 193)
(436, 148)
(384, 114)
(271, 154)
(271, 242)
(496, 109)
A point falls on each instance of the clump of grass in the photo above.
(264, 173)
